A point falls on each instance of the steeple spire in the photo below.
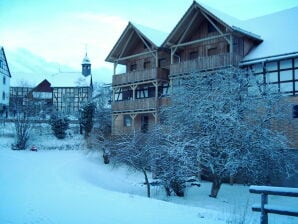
(86, 64)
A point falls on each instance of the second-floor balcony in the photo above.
(137, 105)
(140, 76)
(205, 63)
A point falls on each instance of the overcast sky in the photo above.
(58, 30)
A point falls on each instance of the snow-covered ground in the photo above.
(74, 186)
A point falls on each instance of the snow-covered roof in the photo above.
(72, 79)
(279, 32)
(155, 36)
(62, 79)
(132, 33)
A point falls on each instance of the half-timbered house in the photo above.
(63, 92)
(4, 82)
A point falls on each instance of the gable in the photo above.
(194, 19)
(4, 68)
(135, 39)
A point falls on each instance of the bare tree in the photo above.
(227, 116)
(132, 151)
(23, 126)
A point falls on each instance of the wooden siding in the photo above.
(205, 63)
(140, 76)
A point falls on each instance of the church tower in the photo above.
(86, 66)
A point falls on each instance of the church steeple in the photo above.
(86, 66)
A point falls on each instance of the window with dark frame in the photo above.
(295, 111)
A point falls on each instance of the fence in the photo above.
(265, 208)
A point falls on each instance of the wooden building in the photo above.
(203, 40)
(139, 91)
(4, 83)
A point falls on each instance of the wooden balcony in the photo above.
(140, 76)
(138, 105)
(205, 63)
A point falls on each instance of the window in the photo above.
(3, 95)
(162, 62)
(1, 64)
(4, 80)
(133, 67)
(295, 111)
(212, 51)
(193, 55)
(146, 64)
(145, 91)
(127, 121)
(144, 123)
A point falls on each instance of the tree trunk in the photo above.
(216, 183)
(147, 182)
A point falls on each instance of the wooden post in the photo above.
(133, 116)
(133, 87)
(264, 214)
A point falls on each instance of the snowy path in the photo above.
(64, 187)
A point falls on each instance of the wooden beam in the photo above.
(185, 31)
(213, 24)
(135, 55)
(125, 45)
(144, 41)
(201, 40)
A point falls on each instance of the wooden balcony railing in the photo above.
(146, 104)
(205, 63)
(140, 76)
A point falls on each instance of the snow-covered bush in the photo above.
(59, 124)
(86, 118)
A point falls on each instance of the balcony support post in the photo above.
(155, 117)
(133, 116)
(156, 89)
(133, 87)
(231, 50)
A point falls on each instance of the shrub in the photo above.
(59, 126)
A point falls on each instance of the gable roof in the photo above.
(280, 34)
(196, 9)
(44, 86)
(60, 79)
(3, 52)
(133, 32)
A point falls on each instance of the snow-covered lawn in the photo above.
(74, 186)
